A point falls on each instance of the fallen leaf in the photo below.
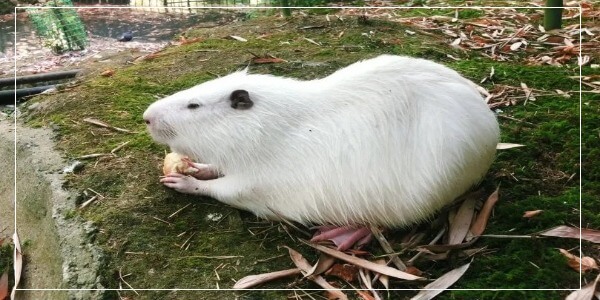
(364, 263)
(108, 73)
(573, 233)
(532, 213)
(4, 286)
(478, 226)
(462, 221)
(413, 270)
(504, 146)
(587, 263)
(254, 280)
(456, 42)
(365, 279)
(345, 272)
(441, 283)
(385, 245)
(528, 92)
(365, 295)
(103, 124)
(585, 293)
(384, 279)
(312, 41)
(17, 263)
(324, 263)
(516, 46)
(305, 266)
(238, 38)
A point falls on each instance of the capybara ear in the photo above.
(240, 99)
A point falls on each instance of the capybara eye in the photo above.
(193, 105)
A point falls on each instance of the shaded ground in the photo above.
(149, 244)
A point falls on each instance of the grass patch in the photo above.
(159, 251)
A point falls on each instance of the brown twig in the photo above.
(387, 248)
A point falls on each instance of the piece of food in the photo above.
(178, 163)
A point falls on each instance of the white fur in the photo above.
(385, 141)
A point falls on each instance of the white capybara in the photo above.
(386, 141)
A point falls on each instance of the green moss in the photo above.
(6, 262)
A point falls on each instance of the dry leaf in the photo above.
(238, 38)
(345, 272)
(481, 220)
(312, 41)
(528, 92)
(17, 263)
(462, 221)
(532, 213)
(585, 293)
(573, 232)
(587, 263)
(324, 263)
(516, 46)
(456, 42)
(441, 283)
(413, 270)
(254, 280)
(108, 73)
(364, 263)
(103, 124)
(504, 146)
(305, 266)
(384, 279)
(365, 295)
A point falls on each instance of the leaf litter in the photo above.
(366, 273)
(583, 264)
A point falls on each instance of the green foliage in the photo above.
(61, 28)
(6, 262)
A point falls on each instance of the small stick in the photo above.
(217, 273)
(161, 220)
(435, 239)
(105, 125)
(88, 202)
(92, 155)
(178, 211)
(268, 259)
(212, 257)
(186, 241)
(121, 276)
(505, 236)
(516, 120)
(387, 248)
(119, 147)
(99, 195)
